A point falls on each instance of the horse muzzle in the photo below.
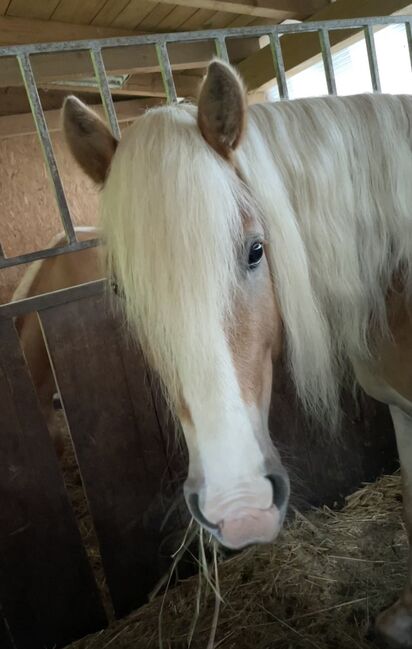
(252, 512)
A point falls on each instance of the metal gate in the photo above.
(48, 594)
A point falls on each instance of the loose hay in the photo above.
(319, 586)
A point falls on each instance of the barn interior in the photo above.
(322, 588)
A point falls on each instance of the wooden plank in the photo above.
(79, 11)
(198, 20)
(110, 10)
(174, 19)
(144, 85)
(219, 20)
(119, 444)
(242, 21)
(18, 31)
(29, 9)
(44, 571)
(187, 85)
(4, 5)
(258, 69)
(133, 13)
(157, 14)
(14, 101)
(17, 125)
(277, 10)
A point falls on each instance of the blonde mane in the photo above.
(332, 181)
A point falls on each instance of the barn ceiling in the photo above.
(168, 15)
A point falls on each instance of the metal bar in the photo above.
(166, 71)
(373, 61)
(106, 95)
(276, 50)
(221, 49)
(204, 35)
(327, 61)
(46, 300)
(408, 28)
(7, 262)
(44, 136)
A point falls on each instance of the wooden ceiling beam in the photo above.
(152, 85)
(20, 31)
(17, 125)
(146, 85)
(302, 50)
(276, 10)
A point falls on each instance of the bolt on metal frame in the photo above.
(160, 42)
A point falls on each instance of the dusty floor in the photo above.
(319, 586)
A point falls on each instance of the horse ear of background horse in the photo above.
(222, 108)
(89, 139)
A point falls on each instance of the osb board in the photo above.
(29, 217)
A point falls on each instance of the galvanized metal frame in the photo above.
(160, 42)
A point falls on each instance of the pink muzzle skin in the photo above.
(249, 526)
(252, 513)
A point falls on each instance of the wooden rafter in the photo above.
(300, 50)
(18, 31)
(16, 125)
(274, 9)
(145, 85)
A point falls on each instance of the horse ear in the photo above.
(222, 108)
(89, 139)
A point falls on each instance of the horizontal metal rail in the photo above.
(7, 262)
(47, 300)
(220, 38)
(205, 35)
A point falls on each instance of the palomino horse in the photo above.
(236, 232)
(44, 276)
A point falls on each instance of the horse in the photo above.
(45, 276)
(237, 234)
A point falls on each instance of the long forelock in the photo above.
(171, 212)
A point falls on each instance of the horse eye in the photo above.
(255, 254)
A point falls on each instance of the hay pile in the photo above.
(319, 586)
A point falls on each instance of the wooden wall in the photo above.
(29, 216)
(131, 469)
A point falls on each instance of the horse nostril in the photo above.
(280, 488)
(193, 504)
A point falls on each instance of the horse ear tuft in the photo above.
(89, 139)
(222, 108)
